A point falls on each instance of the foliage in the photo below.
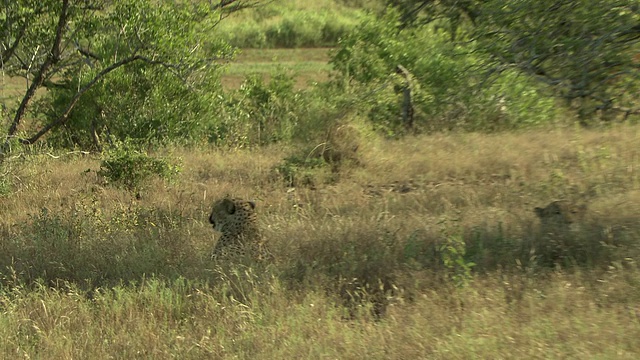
(300, 170)
(130, 168)
(447, 89)
(452, 16)
(453, 251)
(583, 51)
(260, 112)
(449, 253)
(140, 103)
(69, 47)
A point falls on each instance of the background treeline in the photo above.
(127, 70)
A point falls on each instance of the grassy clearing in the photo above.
(11, 88)
(307, 65)
(10, 85)
(154, 320)
(90, 271)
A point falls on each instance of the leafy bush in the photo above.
(129, 168)
(260, 112)
(587, 64)
(138, 102)
(135, 69)
(300, 171)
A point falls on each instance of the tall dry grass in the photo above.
(426, 247)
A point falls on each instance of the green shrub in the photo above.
(300, 171)
(137, 102)
(260, 112)
(130, 168)
(453, 250)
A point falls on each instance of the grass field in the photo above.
(12, 88)
(131, 278)
(306, 65)
(421, 247)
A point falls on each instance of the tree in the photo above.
(450, 15)
(583, 50)
(70, 46)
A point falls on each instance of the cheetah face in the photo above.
(560, 213)
(232, 217)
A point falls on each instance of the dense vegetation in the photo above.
(397, 232)
(130, 70)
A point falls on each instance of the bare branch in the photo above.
(231, 6)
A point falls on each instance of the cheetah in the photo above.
(560, 214)
(236, 219)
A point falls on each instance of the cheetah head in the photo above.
(227, 211)
(560, 212)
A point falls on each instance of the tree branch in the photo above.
(8, 52)
(65, 115)
(52, 58)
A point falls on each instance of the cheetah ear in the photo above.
(252, 203)
(539, 211)
(229, 206)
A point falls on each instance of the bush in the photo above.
(260, 112)
(130, 168)
(298, 171)
(137, 102)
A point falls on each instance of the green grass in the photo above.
(307, 65)
(294, 24)
(181, 319)
(287, 56)
(11, 88)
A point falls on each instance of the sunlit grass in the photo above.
(92, 271)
